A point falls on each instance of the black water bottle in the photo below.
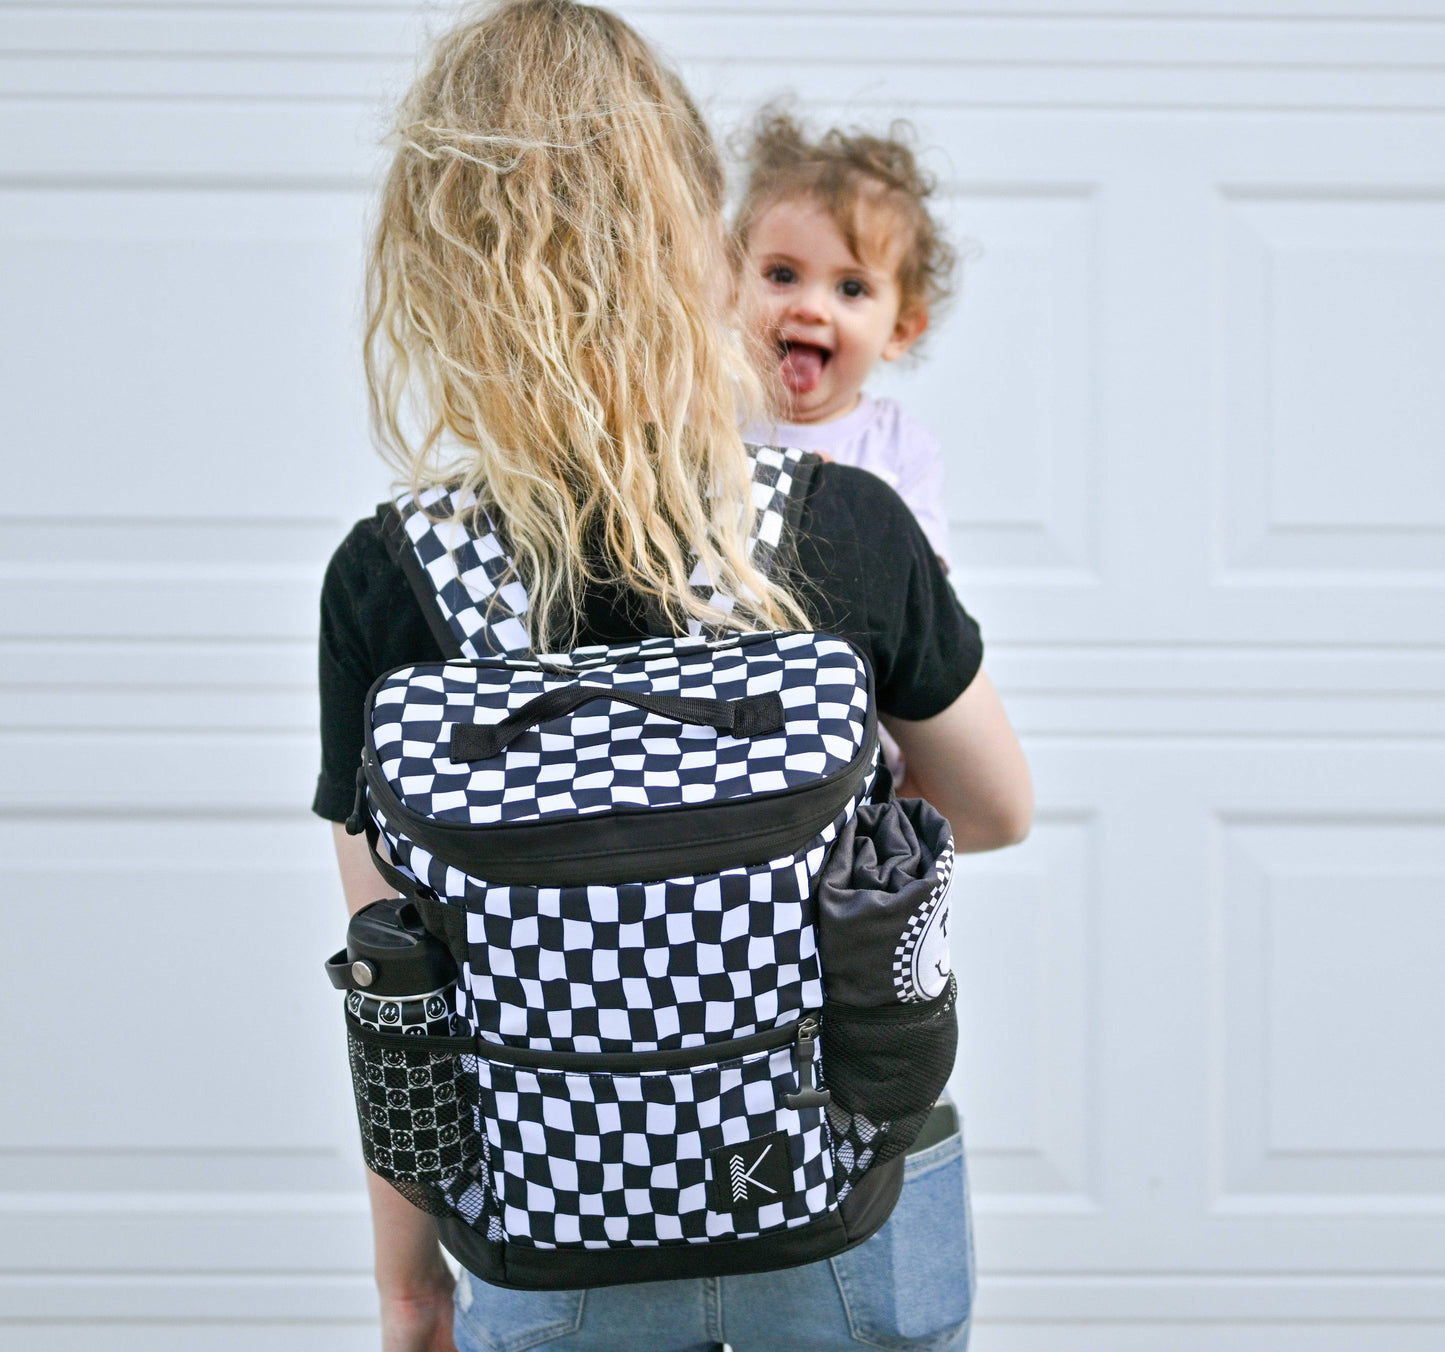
(398, 978)
(415, 1096)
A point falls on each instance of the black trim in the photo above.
(410, 1042)
(835, 1012)
(603, 848)
(710, 1053)
(623, 1063)
(407, 887)
(524, 1267)
(393, 531)
(520, 1266)
(871, 1200)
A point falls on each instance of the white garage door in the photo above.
(1193, 403)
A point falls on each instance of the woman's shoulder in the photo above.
(369, 614)
(854, 503)
(857, 542)
(365, 558)
(869, 574)
(365, 588)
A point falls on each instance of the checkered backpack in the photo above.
(703, 1001)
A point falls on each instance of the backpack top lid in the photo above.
(562, 800)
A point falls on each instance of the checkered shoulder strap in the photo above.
(780, 484)
(475, 604)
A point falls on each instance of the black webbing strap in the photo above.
(750, 716)
(446, 922)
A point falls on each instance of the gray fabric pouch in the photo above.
(883, 906)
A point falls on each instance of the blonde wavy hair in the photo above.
(548, 317)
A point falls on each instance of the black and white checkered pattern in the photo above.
(599, 1161)
(641, 967)
(904, 985)
(646, 966)
(596, 1160)
(481, 599)
(605, 756)
(772, 473)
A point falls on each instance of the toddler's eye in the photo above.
(781, 274)
(853, 288)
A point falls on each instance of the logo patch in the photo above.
(752, 1173)
(922, 963)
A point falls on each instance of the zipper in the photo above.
(683, 838)
(809, 1095)
(604, 848)
(801, 1035)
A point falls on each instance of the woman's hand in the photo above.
(421, 1322)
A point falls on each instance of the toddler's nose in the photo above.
(810, 306)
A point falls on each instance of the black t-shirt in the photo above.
(865, 571)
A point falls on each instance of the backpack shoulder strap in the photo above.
(781, 478)
(476, 606)
(399, 547)
(473, 602)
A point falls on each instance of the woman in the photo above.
(546, 329)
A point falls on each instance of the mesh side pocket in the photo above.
(416, 1103)
(886, 1067)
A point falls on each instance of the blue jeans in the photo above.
(908, 1289)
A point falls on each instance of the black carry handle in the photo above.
(751, 716)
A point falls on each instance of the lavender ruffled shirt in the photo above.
(880, 437)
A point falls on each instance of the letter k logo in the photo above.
(751, 1173)
(743, 1181)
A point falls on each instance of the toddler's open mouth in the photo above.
(802, 365)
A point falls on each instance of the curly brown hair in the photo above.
(846, 172)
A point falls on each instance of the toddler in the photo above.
(841, 265)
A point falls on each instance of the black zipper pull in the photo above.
(808, 1095)
(356, 823)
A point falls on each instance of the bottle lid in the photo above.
(388, 940)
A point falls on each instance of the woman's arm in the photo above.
(411, 1276)
(968, 763)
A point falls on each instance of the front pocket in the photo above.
(628, 1154)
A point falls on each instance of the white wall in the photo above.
(1192, 401)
